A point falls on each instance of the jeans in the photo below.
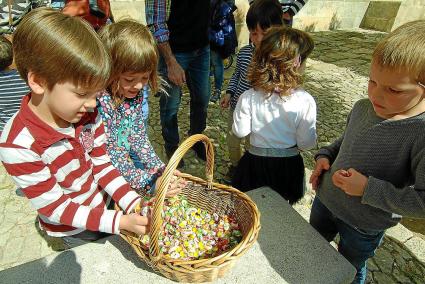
(218, 71)
(196, 65)
(355, 245)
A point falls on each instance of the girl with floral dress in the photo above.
(121, 105)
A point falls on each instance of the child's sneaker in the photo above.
(229, 175)
(216, 97)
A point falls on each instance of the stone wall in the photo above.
(320, 15)
(317, 15)
(374, 15)
(409, 10)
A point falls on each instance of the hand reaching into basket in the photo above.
(177, 183)
(135, 223)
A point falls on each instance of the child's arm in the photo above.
(242, 116)
(233, 82)
(322, 164)
(141, 179)
(142, 147)
(39, 185)
(306, 129)
(139, 146)
(406, 201)
(107, 176)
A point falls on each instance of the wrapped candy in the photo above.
(190, 233)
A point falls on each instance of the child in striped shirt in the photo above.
(261, 15)
(12, 87)
(54, 148)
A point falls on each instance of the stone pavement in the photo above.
(336, 76)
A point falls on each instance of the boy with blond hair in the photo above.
(54, 147)
(375, 173)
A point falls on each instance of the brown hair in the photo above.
(404, 49)
(264, 13)
(59, 48)
(306, 46)
(6, 53)
(132, 49)
(275, 62)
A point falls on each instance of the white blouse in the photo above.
(275, 122)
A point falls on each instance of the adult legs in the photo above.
(169, 104)
(218, 71)
(197, 78)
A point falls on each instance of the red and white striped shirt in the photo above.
(68, 179)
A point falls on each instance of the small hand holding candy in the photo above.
(176, 185)
(350, 181)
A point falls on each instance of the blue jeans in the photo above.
(355, 245)
(218, 69)
(196, 65)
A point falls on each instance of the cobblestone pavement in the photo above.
(336, 76)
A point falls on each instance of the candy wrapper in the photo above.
(191, 233)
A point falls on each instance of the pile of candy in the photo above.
(191, 233)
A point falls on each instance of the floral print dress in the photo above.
(127, 142)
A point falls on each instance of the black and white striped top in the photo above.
(290, 6)
(238, 83)
(12, 89)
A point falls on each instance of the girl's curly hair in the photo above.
(274, 67)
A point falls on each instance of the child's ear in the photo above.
(36, 83)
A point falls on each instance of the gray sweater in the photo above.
(392, 155)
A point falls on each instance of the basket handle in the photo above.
(156, 221)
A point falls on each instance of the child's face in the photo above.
(65, 104)
(257, 35)
(394, 94)
(130, 83)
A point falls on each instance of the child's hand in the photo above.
(322, 164)
(350, 181)
(225, 101)
(176, 184)
(135, 223)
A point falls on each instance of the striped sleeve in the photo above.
(39, 185)
(107, 176)
(12, 89)
(292, 7)
(233, 82)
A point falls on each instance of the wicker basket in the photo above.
(207, 195)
